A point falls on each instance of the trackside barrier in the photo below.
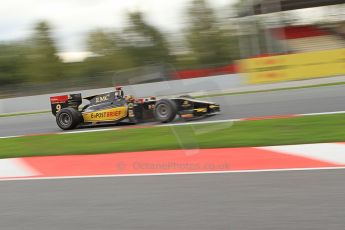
(294, 66)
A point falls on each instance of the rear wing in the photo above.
(65, 101)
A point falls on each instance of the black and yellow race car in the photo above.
(115, 107)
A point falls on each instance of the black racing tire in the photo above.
(68, 118)
(165, 110)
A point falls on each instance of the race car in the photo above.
(115, 107)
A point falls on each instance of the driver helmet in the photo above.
(119, 92)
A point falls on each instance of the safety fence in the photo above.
(293, 66)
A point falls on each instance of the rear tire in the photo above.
(68, 118)
(165, 110)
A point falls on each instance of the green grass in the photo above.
(22, 114)
(311, 129)
(271, 90)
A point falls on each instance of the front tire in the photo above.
(68, 118)
(165, 110)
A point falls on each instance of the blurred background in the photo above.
(52, 46)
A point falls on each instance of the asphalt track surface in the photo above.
(308, 100)
(265, 200)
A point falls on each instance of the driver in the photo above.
(119, 94)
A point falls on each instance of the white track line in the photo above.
(200, 122)
(87, 131)
(186, 123)
(324, 113)
(174, 174)
(7, 137)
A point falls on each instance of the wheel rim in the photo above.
(65, 119)
(163, 110)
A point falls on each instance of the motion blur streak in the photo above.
(47, 47)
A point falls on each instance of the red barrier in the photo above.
(206, 72)
(295, 32)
